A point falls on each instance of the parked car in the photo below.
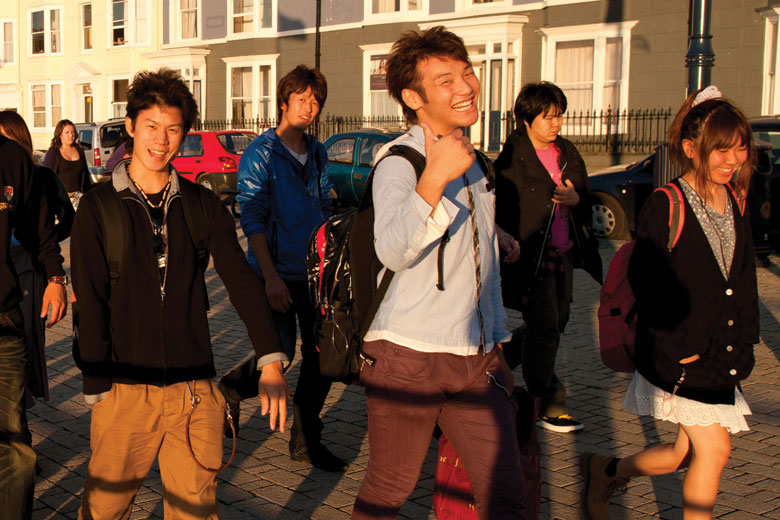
(350, 158)
(211, 159)
(99, 141)
(620, 191)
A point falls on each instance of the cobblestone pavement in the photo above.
(263, 482)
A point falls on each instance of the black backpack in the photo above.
(342, 268)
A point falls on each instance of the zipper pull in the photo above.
(162, 294)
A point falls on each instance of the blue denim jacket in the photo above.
(283, 199)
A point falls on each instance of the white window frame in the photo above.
(255, 62)
(770, 84)
(131, 24)
(82, 27)
(14, 41)
(475, 7)
(47, 9)
(403, 12)
(110, 91)
(177, 14)
(49, 122)
(369, 51)
(256, 28)
(599, 33)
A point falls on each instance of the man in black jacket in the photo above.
(143, 342)
(21, 208)
(543, 199)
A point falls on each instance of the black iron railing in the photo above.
(605, 131)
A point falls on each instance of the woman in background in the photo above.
(66, 158)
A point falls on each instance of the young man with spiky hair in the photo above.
(435, 348)
(143, 341)
(284, 194)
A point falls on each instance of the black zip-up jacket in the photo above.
(524, 191)
(130, 333)
(22, 210)
(685, 306)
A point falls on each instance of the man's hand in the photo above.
(448, 157)
(510, 246)
(277, 293)
(566, 194)
(274, 394)
(55, 298)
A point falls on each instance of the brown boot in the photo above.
(597, 487)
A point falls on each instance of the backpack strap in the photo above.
(739, 196)
(193, 203)
(115, 225)
(676, 213)
(487, 167)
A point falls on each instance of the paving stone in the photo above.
(264, 483)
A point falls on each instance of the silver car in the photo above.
(99, 141)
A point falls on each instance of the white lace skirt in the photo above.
(644, 398)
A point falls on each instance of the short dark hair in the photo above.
(412, 48)
(56, 141)
(537, 98)
(164, 87)
(297, 81)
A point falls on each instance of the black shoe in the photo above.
(235, 409)
(320, 458)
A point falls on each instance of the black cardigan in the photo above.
(524, 191)
(686, 307)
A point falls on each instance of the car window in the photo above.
(368, 150)
(111, 135)
(85, 138)
(235, 143)
(342, 151)
(192, 146)
(772, 137)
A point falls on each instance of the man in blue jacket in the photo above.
(284, 194)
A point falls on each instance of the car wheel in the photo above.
(609, 219)
(207, 181)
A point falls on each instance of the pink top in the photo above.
(560, 225)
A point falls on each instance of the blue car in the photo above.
(350, 158)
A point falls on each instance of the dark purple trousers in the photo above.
(407, 393)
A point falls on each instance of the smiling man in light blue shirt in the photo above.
(437, 345)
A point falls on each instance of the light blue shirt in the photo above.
(414, 312)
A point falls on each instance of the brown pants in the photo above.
(407, 393)
(136, 424)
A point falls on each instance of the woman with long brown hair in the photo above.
(66, 158)
(697, 313)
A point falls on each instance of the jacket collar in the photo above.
(121, 181)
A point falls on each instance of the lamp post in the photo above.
(700, 57)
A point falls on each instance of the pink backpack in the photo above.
(617, 305)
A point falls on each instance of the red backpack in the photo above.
(617, 305)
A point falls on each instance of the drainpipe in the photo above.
(317, 59)
(700, 57)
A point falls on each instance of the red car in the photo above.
(211, 158)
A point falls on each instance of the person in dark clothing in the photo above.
(21, 211)
(31, 276)
(283, 193)
(66, 158)
(143, 341)
(543, 199)
(697, 314)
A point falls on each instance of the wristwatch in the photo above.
(62, 280)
